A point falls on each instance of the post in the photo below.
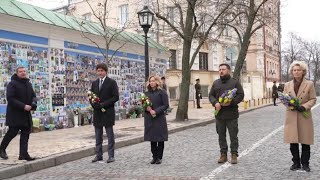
(146, 53)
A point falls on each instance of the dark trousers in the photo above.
(274, 101)
(24, 139)
(305, 155)
(99, 140)
(221, 127)
(157, 149)
(198, 102)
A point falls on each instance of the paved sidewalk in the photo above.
(59, 146)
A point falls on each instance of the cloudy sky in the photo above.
(299, 16)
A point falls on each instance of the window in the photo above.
(87, 16)
(204, 91)
(123, 14)
(173, 59)
(203, 61)
(172, 92)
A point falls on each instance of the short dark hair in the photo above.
(102, 66)
(227, 65)
(198, 79)
(274, 81)
(163, 78)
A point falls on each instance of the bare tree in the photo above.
(312, 49)
(293, 50)
(246, 17)
(194, 23)
(100, 12)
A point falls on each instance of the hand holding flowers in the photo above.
(146, 104)
(293, 104)
(225, 99)
(94, 99)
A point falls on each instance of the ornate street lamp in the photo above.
(145, 21)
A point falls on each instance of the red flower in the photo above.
(97, 100)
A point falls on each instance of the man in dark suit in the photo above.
(274, 93)
(104, 113)
(21, 101)
(197, 86)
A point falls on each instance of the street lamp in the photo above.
(145, 20)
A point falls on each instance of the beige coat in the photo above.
(297, 128)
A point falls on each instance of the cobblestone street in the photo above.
(193, 154)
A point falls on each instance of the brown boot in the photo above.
(223, 158)
(234, 159)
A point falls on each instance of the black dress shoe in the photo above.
(306, 167)
(96, 159)
(158, 161)
(28, 158)
(295, 167)
(153, 161)
(110, 160)
(3, 154)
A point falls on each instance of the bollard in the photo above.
(245, 104)
(254, 102)
(258, 101)
(249, 103)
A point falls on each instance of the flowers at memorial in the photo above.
(226, 97)
(93, 98)
(291, 103)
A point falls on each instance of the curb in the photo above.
(73, 155)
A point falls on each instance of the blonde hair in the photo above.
(301, 64)
(157, 80)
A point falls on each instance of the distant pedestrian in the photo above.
(228, 115)
(197, 87)
(155, 123)
(107, 91)
(297, 127)
(274, 93)
(164, 87)
(21, 101)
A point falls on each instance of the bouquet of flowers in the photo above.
(291, 103)
(226, 98)
(145, 102)
(93, 98)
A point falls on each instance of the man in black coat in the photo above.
(227, 117)
(104, 113)
(21, 101)
(197, 86)
(274, 93)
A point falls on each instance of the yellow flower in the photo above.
(291, 108)
(220, 100)
(225, 101)
(291, 101)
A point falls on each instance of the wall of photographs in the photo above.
(35, 59)
(61, 77)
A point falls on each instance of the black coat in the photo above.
(155, 128)
(108, 95)
(198, 91)
(19, 94)
(274, 91)
(218, 88)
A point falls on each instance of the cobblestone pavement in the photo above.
(193, 154)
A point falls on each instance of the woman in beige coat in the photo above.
(297, 128)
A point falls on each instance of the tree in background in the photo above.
(195, 22)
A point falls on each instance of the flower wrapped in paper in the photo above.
(291, 103)
(93, 98)
(226, 98)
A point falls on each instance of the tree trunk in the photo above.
(242, 55)
(182, 111)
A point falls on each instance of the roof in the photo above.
(34, 13)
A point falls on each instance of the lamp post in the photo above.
(145, 20)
